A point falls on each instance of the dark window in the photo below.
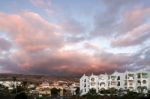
(139, 81)
(144, 81)
(125, 83)
(118, 84)
(130, 84)
(139, 75)
(118, 78)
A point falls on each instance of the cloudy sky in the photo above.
(72, 37)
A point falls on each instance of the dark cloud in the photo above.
(8, 66)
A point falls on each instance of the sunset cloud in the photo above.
(30, 31)
(97, 36)
(135, 37)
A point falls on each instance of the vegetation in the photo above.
(55, 92)
(77, 91)
(112, 94)
(21, 95)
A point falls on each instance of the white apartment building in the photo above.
(133, 81)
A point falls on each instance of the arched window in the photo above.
(92, 79)
(102, 84)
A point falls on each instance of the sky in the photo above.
(74, 37)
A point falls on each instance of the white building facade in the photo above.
(134, 81)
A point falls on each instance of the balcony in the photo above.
(142, 75)
(130, 78)
(113, 77)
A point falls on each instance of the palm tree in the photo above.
(24, 84)
(14, 82)
(77, 91)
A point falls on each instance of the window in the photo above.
(113, 83)
(125, 83)
(118, 78)
(130, 84)
(144, 75)
(118, 84)
(93, 83)
(102, 84)
(144, 81)
(126, 77)
(139, 81)
(92, 79)
(139, 75)
(108, 83)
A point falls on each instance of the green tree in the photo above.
(14, 84)
(24, 83)
(4, 90)
(77, 91)
(130, 95)
(19, 90)
(21, 95)
(55, 92)
(104, 91)
(92, 94)
(113, 91)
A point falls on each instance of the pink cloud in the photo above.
(133, 30)
(30, 31)
(38, 48)
(137, 36)
(134, 18)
